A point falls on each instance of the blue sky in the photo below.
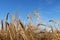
(48, 9)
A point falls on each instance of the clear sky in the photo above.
(47, 9)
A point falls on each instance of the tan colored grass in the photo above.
(20, 32)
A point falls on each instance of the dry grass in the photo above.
(17, 30)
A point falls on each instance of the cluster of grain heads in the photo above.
(16, 30)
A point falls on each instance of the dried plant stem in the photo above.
(2, 24)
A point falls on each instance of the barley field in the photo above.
(16, 30)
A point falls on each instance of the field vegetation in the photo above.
(16, 30)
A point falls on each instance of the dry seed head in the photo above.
(21, 25)
(7, 16)
(37, 16)
(29, 17)
(6, 20)
(52, 21)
